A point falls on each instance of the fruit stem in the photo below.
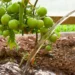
(21, 12)
(36, 41)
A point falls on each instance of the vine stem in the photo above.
(21, 14)
(36, 41)
(21, 11)
(44, 38)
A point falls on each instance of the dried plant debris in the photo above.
(10, 68)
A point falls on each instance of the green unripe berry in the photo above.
(2, 11)
(48, 48)
(15, 8)
(41, 11)
(53, 37)
(32, 22)
(5, 19)
(13, 24)
(40, 24)
(48, 22)
(1, 27)
(5, 33)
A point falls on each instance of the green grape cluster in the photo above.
(23, 17)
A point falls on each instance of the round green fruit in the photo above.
(5, 19)
(53, 37)
(13, 24)
(9, 9)
(43, 30)
(41, 11)
(22, 26)
(29, 11)
(40, 24)
(48, 22)
(5, 33)
(2, 11)
(32, 22)
(15, 7)
(1, 27)
(48, 48)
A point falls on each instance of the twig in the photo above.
(35, 6)
(35, 3)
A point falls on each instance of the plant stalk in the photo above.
(36, 41)
(21, 12)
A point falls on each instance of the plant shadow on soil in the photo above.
(60, 61)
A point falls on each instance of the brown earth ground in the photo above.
(60, 60)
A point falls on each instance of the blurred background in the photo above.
(56, 7)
